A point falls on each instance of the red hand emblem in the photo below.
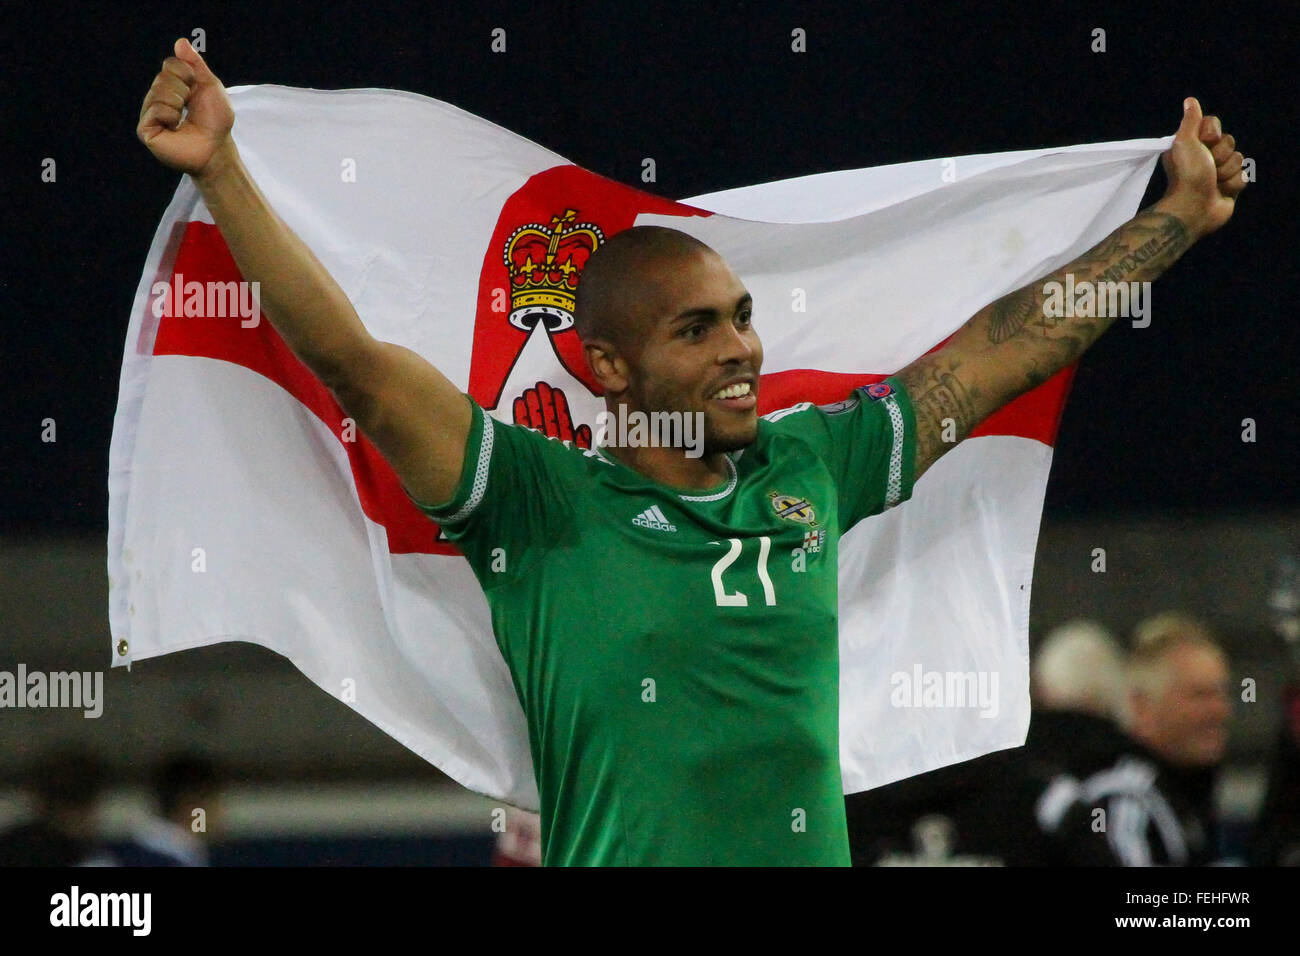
(547, 410)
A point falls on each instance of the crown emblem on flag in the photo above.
(544, 263)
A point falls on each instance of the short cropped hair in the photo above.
(616, 272)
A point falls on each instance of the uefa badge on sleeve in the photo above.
(879, 390)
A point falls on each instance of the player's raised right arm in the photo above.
(414, 415)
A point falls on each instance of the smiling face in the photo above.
(677, 336)
(698, 351)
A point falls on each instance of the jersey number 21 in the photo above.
(738, 598)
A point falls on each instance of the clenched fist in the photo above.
(186, 117)
(1204, 170)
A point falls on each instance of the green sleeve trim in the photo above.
(473, 472)
(902, 471)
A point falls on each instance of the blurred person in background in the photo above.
(1077, 686)
(187, 792)
(64, 830)
(1154, 804)
(984, 811)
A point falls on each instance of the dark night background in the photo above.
(719, 100)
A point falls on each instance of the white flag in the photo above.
(245, 506)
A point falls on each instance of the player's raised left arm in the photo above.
(1011, 345)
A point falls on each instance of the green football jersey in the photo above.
(676, 652)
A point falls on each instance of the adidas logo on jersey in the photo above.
(654, 519)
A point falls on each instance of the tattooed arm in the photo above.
(1010, 345)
